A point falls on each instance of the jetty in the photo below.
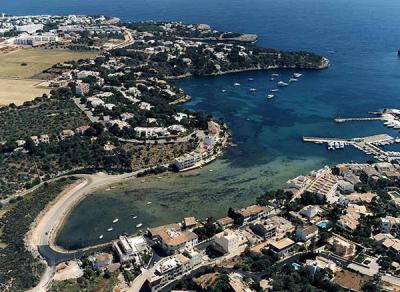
(344, 120)
(369, 145)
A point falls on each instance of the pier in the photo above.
(366, 144)
(344, 120)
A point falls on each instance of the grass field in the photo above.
(36, 61)
(18, 91)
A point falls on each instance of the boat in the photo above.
(269, 96)
(134, 217)
(297, 75)
(251, 79)
(272, 79)
(282, 84)
(236, 84)
(273, 90)
(252, 90)
(148, 203)
(139, 225)
(293, 80)
(274, 74)
(223, 90)
(115, 220)
(101, 236)
(110, 229)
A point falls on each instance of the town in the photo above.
(339, 226)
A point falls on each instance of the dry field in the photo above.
(18, 91)
(17, 82)
(36, 61)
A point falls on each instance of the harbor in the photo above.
(368, 145)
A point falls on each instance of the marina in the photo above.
(368, 145)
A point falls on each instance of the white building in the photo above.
(29, 28)
(229, 240)
(151, 132)
(129, 248)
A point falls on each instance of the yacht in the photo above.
(148, 203)
(101, 236)
(134, 217)
(252, 90)
(223, 90)
(269, 96)
(274, 90)
(110, 229)
(251, 79)
(297, 75)
(293, 79)
(274, 74)
(272, 79)
(115, 220)
(236, 84)
(139, 225)
(281, 84)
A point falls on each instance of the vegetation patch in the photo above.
(19, 269)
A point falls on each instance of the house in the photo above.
(127, 116)
(345, 186)
(390, 225)
(102, 260)
(254, 212)
(189, 222)
(129, 248)
(66, 134)
(82, 129)
(310, 211)
(172, 268)
(35, 140)
(187, 160)
(306, 233)
(82, 89)
(266, 231)
(95, 101)
(151, 132)
(321, 264)
(229, 240)
(225, 222)
(171, 238)
(44, 138)
(342, 246)
(20, 143)
(281, 247)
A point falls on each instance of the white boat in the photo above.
(139, 225)
(210, 170)
(273, 90)
(101, 236)
(236, 84)
(115, 220)
(134, 217)
(281, 84)
(293, 80)
(297, 75)
(274, 74)
(269, 96)
(272, 79)
(223, 90)
(148, 203)
(251, 79)
(252, 90)
(110, 229)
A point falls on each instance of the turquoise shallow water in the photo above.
(364, 76)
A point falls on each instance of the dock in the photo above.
(344, 120)
(368, 145)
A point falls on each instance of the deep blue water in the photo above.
(364, 76)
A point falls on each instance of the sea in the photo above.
(360, 37)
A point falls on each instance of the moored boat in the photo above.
(269, 96)
(139, 225)
(115, 220)
(252, 90)
(236, 84)
(110, 229)
(282, 84)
